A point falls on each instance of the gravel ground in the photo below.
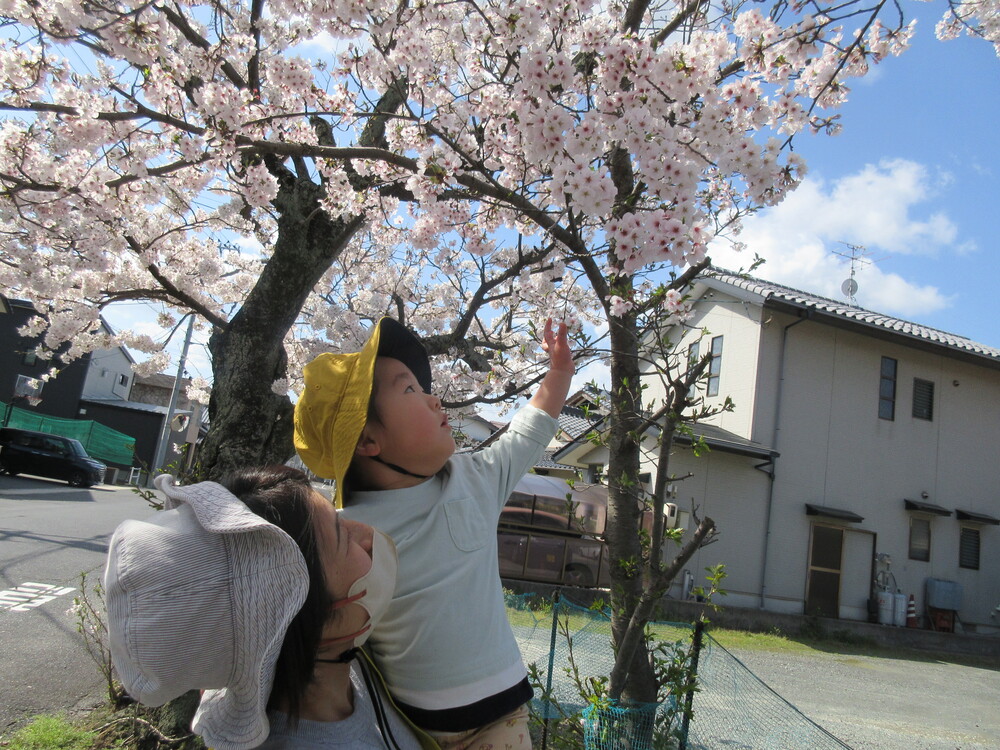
(885, 703)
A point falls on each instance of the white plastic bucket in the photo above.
(899, 610)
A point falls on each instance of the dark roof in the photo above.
(923, 507)
(715, 438)
(968, 515)
(159, 380)
(572, 422)
(547, 462)
(132, 405)
(575, 422)
(838, 513)
(727, 442)
(787, 299)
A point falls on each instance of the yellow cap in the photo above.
(333, 408)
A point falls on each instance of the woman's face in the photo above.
(345, 548)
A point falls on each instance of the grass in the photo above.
(51, 732)
(810, 641)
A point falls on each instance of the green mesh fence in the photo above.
(568, 646)
(646, 726)
(100, 442)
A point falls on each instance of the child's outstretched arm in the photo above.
(551, 393)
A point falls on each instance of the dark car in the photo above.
(44, 455)
(543, 536)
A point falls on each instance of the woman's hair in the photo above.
(282, 496)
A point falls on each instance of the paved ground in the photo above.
(880, 703)
(49, 534)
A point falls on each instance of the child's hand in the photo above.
(551, 393)
(557, 346)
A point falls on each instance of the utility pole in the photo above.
(161, 443)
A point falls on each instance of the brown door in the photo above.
(823, 593)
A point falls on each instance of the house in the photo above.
(471, 429)
(60, 396)
(98, 386)
(861, 455)
(142, 413)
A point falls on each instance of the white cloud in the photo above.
(877, 208)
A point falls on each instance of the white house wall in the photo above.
(739, 325)
(727, 489)
(835, 451)
(108, 368)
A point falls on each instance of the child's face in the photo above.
(414, 432)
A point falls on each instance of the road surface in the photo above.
(49, 534)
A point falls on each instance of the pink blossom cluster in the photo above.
(143, 147)
(975, 17)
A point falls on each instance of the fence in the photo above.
(100, 442)
(568, 647)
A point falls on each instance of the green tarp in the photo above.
(101, 442)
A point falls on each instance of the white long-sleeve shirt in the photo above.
(446, 641)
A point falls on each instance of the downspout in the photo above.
(773, 468)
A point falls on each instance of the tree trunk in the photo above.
(624, 510)
(251, 425)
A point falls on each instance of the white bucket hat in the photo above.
(199, 596)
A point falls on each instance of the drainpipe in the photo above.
(774, 444)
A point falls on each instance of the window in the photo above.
(920, 539)
(887, 389)
(30, 358)
(715, 366)
(123, 380)
(923, 399)
(968, 548)
(694, 354)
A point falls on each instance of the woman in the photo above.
(258, 593)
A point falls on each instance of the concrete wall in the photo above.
(810, 391)
(739, 325)
(108, 376)
(836, 451)
(726, 488)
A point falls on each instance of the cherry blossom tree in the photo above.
(469, 167)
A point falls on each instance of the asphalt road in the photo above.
(49, 534)
(886, 703)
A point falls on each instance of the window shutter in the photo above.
(923, 399)
(968, 548)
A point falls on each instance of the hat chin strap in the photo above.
(399, 469)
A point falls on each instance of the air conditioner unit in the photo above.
(670, 515)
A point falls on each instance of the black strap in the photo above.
(343, 658)
(381, 716)
(400, 469)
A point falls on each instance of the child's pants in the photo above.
(509, 732)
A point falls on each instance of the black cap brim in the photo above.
(399, 342)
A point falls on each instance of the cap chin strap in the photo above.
(399, 469)
(344, 658)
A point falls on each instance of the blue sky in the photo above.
(914, 178)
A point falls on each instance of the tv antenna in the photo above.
(859, 257)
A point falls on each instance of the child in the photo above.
(368, 421)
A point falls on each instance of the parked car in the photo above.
(543, 536)
(44, 455)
